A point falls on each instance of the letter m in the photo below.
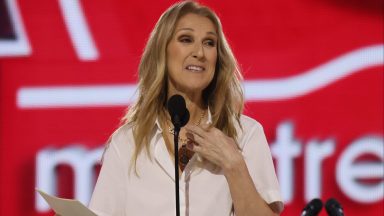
(82, 162)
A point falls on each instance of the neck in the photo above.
(195, 110)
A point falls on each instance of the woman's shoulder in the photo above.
(122, 136)
(123, 131)
(249, 127)
(248, 123)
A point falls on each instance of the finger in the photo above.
(196, 130)
(197, 140)
(196, 148)
(190, 136)
(190, 145)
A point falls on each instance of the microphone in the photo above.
(312, 208)
(178, 111)
(334, 208)
(179, 116)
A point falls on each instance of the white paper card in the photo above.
(66, 207)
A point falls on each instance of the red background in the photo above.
(271, 39)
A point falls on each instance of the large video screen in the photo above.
(313, 77)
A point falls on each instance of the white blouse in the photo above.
(203, 187)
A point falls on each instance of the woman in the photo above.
(231, 170)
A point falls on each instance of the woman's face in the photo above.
(192, 54)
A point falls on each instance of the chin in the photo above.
(193, 88)
(190, 85)
(200, 86)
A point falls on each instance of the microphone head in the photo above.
(333, 207)
(178, 111)
(176, 105)
(313, 207)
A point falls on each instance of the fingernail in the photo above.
(190, 144)
(189, 135)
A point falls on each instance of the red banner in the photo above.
(313, 77)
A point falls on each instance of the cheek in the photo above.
(170, 60)
(213, 65)
(212, 57)
(174, 57)
(213, 60)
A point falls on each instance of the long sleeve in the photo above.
(108, 198)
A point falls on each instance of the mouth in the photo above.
(195, 68)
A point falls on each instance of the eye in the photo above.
(185, 39)
(210, 42)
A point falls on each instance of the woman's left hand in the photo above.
(213, 145)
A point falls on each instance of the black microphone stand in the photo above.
(179, 115)
(176, 147)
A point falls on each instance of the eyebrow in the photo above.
(191, 29)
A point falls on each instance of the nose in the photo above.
(198, 51)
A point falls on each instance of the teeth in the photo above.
(196, 68)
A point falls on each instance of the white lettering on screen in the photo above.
(82, 162)
(349, 171)
(315, 153)
(284, 150)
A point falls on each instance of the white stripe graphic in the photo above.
(314, 79)
(78, 30)
(75, 96)
(256, 90)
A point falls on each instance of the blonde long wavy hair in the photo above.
(224, 95)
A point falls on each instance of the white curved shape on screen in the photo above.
(314, 79)
(256, 90)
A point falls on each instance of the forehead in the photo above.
(195, 22)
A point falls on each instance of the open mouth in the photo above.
(195, 68)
